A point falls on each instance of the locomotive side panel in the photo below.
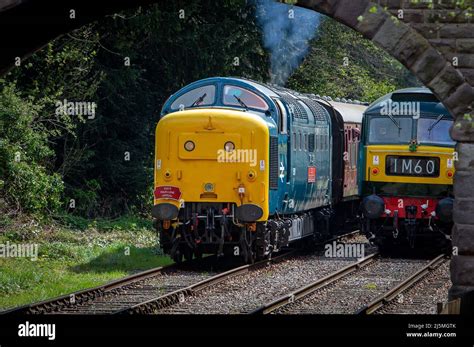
(305, 167)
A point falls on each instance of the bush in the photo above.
(26, 182)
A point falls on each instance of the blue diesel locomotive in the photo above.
(244, 168)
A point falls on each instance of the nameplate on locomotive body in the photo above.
(412, 166)
(167, 192)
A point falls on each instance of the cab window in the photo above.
(236, 96)
(387, 131)
(202, 96)
(434, 131)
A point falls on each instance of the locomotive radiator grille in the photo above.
(273, 162)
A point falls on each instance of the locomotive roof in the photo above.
(269, 89)
(256, 85)
(350, 111)
(428, 101)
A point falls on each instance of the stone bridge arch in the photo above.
(434, 40)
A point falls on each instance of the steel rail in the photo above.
(179, 295)
(81, 296)
(316, 285)
(387, 297)
(89, 294)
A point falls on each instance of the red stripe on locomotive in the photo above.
(399, 204)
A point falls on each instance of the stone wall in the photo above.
(435, 40)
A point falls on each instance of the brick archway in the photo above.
(435, 41)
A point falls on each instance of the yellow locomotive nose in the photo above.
(213, 155)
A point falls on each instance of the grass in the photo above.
(73, 254)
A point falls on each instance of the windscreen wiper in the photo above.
(239, 100)
(199, 100)
(394, 122)
(436, 122)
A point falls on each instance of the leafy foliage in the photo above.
(344, 64)
(166, 51)
(24, 155)
(128, 64)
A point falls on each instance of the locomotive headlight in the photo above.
(229, 146)
(208, 187)
(373, 206)
(189, 146)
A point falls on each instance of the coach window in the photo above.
(346, 139)
(301, 141)
(305, 142)
(282, 116)
(353, 156)
(356, 134)
(294, 141)
(201, 96)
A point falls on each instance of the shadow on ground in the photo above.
(130, 259)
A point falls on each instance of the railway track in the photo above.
(366, 281)
(145, 291)
(80, 301)
(305, 291)
(396, 292)
(158, 304)
(242, 294)
(159, 290)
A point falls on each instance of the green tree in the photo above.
(26, 184)
(166, 49)
(342, 63)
